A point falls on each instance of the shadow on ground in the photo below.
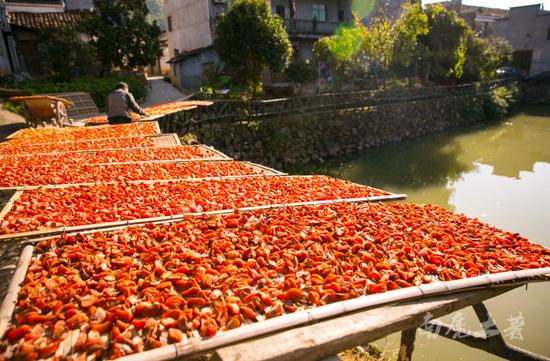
(7, 129)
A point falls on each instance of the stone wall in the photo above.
(302, 138)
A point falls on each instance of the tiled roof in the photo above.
(46, 20)
(186, 54)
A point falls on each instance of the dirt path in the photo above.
(161, 92)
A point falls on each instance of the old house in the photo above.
(8, 60)
(191, 24)
(527, 28)
(481, 19)
(27, 27)
(28, 18)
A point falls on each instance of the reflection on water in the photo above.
(498, 172)
(519, 204)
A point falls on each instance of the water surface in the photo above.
(498, 172)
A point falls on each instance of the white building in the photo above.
(190, 27)
(42, 6)
(527, 28)
(79, 4)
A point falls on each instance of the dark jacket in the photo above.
(119, 103)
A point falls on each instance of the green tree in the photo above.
(378, 45)
(249, 39)
(407, 30)
(484, 56)
(343, 52)
(446, 43)
(65, 56)
(431, 41)
(122, 35)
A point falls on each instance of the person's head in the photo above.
(122, 85)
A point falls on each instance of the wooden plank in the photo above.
(265, 168)
(407, 344)
(492, 342)
(323, 339)
(8, 305)
(212, 149)
(167, 139)
(9, 204)
(161, 161)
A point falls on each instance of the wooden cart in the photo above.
(44, 110)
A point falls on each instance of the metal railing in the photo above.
(236, 111)
(302, 26)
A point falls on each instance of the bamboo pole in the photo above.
(8, 305)
(9, 204)
(164, 161)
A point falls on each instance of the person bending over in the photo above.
(119, 104)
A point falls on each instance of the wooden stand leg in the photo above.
(492, 342)
(407, 345)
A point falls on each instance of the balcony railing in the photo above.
(297, 26)
(301, 26)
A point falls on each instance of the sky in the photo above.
(502, 4)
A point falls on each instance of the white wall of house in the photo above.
(192, 68)
(35, 8)
(79, 4)
(528, 28)
(190, 25)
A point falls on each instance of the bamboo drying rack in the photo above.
(268, 172)
(308, 316)
(28, 236)
(158, 131)
(217, 153)
(53, 186)
(160, 140)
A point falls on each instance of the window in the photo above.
(341, 16)
(548, 34)
(176, 52)
(169, 21)
(280, 10)
(319, 12)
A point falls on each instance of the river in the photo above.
(498, 172)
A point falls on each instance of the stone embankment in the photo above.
(289, 140)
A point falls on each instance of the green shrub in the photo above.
(11, 107)
(98, 88)
(501, 101)
(299, 72)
